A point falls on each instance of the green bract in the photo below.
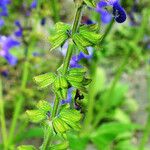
(86, 36)
(62, 146)
(26, 147)
(41, 113)
(45, 80)
(90, 3)
(66, 120)
(60, 36)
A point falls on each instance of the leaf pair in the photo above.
(66, 120)
(60, 36)
(40, 114)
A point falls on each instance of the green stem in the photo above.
(2, 117)
(70, 47)
(106, 104)
(55, 10)
(147, 126)
(77, 19)
(47, 135)
(107, 30)
(19, 102)
(55, 108)
(68, 57)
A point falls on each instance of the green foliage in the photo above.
(45, 80)
(110, 133)
(26, 147)
(90, 3)
(41, 113)
(60, 36)
(68, 119)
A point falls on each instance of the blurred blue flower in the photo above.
(1, 22)
(20, 29)
(6, 43)
(33, 4)
(69, 97)
(74, 62)
(118, 12)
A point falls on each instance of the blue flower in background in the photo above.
(119, 13)
(1, 22)
(20, 29)
(33, 4)
(3, 10)
(6, 43)
(69, 97)
(74, 62)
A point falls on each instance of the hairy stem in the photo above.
(2, 117)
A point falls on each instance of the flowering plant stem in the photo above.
(65, 68)
(2, 118)
(20, 101)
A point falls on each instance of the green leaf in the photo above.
(30, 133)
(79, 86)
(61, 146)
(81, 42)
(45, 80)
(109, 132)
(62, 93)
(58, 40)
(26, 147)
(90, 3)
(76, 142)
(91, 36)
(44, 106)
(91, 27)
(60, 36)
(75, 78)
(60, 26)
(35, 116)
(59, 125)
(71, 114)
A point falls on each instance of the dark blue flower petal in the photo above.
(119, 13)
(18, 33)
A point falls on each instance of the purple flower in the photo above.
(74, 62)
(6, 43)
(20, 29)
(33, 4)
(69, 97)
(118, 12)
(1, 22)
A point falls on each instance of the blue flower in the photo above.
(74, 62)
(33, 4)
(20, 29)
(6, 43)
(69, 97)
(1, 22)
(119, 13)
